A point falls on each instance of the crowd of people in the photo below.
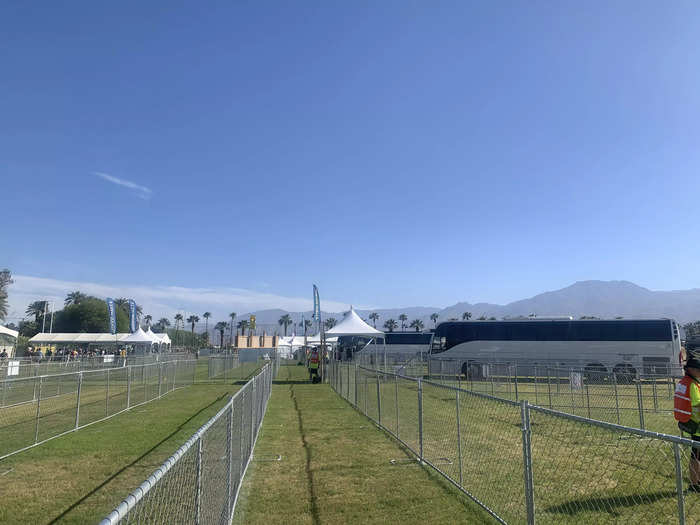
(69, 354)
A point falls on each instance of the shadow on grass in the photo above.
(291, 382)
(142, 456)
(609, 504)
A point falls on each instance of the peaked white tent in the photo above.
(154, 336)
(353, 325)
(165, 338)
(6, 331)
(139, 337)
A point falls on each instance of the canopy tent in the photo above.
(354, 325)
(66, 338)
(6, 331)
(315, 340)
(157, 339)
(165, 338)
(284, 341)
(138, 337)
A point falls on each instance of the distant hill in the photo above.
(606, 299)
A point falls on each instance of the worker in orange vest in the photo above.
(686, 410)
(314, 362)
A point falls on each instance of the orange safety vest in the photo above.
(682, 409)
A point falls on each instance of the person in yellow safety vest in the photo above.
(688, 393)
(313, 364)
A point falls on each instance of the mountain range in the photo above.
(604, 299)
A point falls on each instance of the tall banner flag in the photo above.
(111, 308)
(132, 316)
(317, 305)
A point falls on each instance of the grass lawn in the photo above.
(81, 477)
(336, 467)
(582, 473)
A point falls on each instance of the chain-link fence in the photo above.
(36, 409)
(642, 400)
(525, 463)
(201, 481)
(32, 367)
(232, 367)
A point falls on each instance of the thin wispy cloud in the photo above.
(141, 191)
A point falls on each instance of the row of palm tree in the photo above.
(390, 325)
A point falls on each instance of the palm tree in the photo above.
(482, 318)
(242, 325)
(374, 316)
(434, 318)
(148, 320)
(163, 322)
(206, 316)
(308, 323)
(221, 326)
(466, 316)
(36, 309)
(193, 320)
(285, 321)
(417, 324)
(178, 319)
(74, 298)
(403, 318)
(390, 325)
(232, 315)
(330, 323)
(5, 281)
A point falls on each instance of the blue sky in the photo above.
(394, 153)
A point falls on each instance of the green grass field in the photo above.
(582, 473)
(336, 467)
(82, 476)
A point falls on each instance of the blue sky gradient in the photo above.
(394, 153)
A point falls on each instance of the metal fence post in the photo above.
(107, 395)
(549, 388)
(198, 484)
(77, 404)
(515, 377)
(656, 402)
(229, 455)
(38, 412)
(420, 418)
(160, 377)
(640, 405)
(617, 401)
(128, 387)
(588, 402)
(379, 402)
(396, 397)
(175, 375)
(355, 385)
(459, 439)
(679, 484)
(527, 462)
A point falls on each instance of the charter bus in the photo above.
(631, 347)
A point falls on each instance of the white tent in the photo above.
(138, 337)
(353, 325)
(165, 338)
(68, 338)
(6, 331)
(155, 337)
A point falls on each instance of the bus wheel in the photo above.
(595, 373)
(625, 373)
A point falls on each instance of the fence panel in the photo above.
(40, 408)
(586, 472)
(200, 482)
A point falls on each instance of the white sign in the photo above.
(576, 381)
(109, 358)
(13, 368)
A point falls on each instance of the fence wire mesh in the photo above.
(36, 409)
(529, 463)
(201, 481)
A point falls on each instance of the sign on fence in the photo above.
(576, 381)
(13, 368)
(109, 358)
